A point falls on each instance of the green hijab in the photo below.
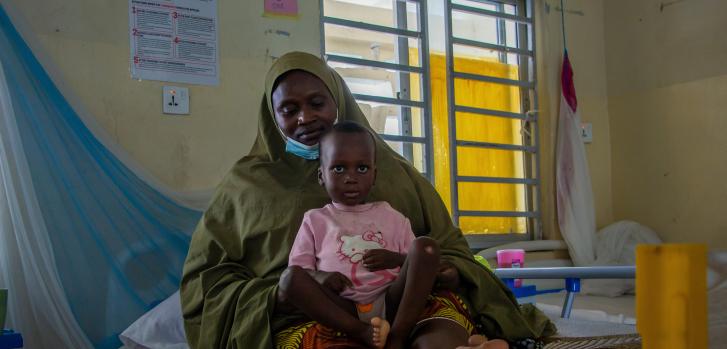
(241, 245)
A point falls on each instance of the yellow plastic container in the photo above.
(671, 296)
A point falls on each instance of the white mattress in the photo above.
(577, 326)
(621, 310)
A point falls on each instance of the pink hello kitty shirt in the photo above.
(335, 238)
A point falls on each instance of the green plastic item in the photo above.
(483, 261)
(3, 306)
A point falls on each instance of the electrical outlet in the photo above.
(587, 132)
(175, 100)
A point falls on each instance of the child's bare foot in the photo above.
(480, 342)
(381, 331)
(497, 344)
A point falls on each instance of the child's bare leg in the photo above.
(407, 296)
(298, 288)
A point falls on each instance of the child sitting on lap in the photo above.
(356, 266)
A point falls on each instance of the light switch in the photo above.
(175, 100)
(587, 132)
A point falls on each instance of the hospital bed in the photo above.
(571, 277)
(583, 320)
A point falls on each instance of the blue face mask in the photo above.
(308, 152)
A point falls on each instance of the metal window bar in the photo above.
(403, 79)
(501, 33)
(372, 63)
(490, 13)
(469, 213)
(409, 139)
(389, 100)
(485, 78)
(500, 113)
(505, 180)
(501, 146)
(508, 2)
(529, 102)
(372, 27)
(526, 84)
(405, 70)
(488, 46)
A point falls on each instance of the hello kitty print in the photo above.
(353, 248)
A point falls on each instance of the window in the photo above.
(463, 112)
(377, 45)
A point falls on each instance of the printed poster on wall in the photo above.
(174, 40)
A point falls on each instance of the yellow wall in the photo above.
(87, 42)
(585, 36)
(667, 88)
(473, 127)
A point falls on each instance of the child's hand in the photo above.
(380, 259)
(335, 282)
(447, 276)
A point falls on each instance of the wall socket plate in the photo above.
(175, 100)
(587, 132)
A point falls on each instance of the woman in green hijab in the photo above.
(241, 245)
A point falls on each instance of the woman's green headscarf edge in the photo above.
(309, 63)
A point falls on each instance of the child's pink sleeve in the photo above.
(406, 235)
(303, 253)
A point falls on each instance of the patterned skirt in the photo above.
(312, 335)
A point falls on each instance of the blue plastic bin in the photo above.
(10, 339)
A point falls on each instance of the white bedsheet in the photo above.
(160, 328)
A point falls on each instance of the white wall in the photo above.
(87, 43)
(667, 97)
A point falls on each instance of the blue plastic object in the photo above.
(10, 339)
(572, 284)
(524, 291)
(527, 290)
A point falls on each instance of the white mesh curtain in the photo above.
(88, 241)
(37, 302)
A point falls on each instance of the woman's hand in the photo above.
(380, 259)
(333, 281)
(447, 276)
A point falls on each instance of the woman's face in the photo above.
(304, 108)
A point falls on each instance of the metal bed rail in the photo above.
(572, 276)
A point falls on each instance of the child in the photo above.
(356, 266)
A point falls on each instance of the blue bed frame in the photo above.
(571, 275)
